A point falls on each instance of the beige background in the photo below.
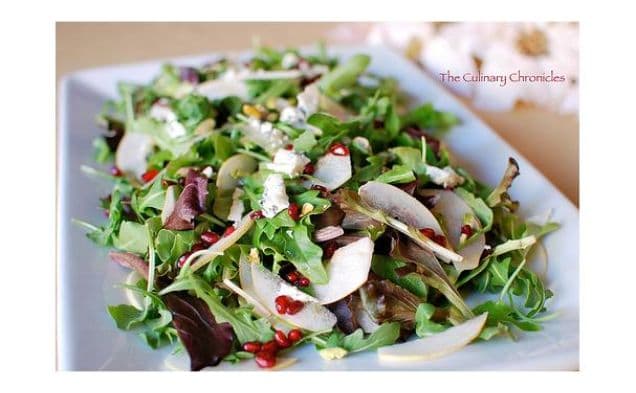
(550, 141)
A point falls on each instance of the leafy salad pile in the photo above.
(293, 199)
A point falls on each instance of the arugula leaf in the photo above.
(398, 174)
(126, 316)
(499, 312)
(345, 74)
(386, 334)
(428, 118)
(295, 245)
(423, 324)
(411, 158)
(101, 152)
(480, 208)
(152, 197)
(275, 89)
(305, 142)
(385, 266)
(192, 110)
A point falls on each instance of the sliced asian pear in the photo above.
(135, 299)
(220, 88)
(227, 180)
(455, 213)
(247, 286)
(331, 171)
(250, 298)
(132, 151)
(313, 316)
(398, 204)
(438, 345)
(168, 203)
(347, 270)
(201, 258)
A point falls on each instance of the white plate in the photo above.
(89, 340)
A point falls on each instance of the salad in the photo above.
(293, 200)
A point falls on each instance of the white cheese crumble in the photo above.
(289, 60)
(208, 172)
(160, 111)
(288, 162)
(237, 209)
(446, 177)
(309, 99)
(308, 103)
(265, 135)
(274, 196)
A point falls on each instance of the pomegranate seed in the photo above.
(440, 239)
(282, 302)
(255, 215)
(210, 237)
(292, 277)
(309, 169)
(428, 232)
(270, 346)
(303, 282)
(294, 307)
(294, 211)
(467, 230)
(329, 248)
(149, 175)
(289, 146)
(265, 359)
(252, 346)
(116, 171)
(294, 335)
(183, 258)
(228, 231)
(281, 339)
(338, 149)
(198, 247)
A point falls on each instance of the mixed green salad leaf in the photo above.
(291, 199)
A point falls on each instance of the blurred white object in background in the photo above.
(487, 49)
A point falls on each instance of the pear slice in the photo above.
(259, 309)
(332, 171)
(312, 316)
(227, 180)
(398, 204)
(347, 270)
(168, 204)
(452, 209)
(438, 345)
(132, 151)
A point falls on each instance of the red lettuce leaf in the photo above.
(130, 261)
(190, 203)
(206, 341)
(343, 309)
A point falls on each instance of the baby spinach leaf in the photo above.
(132, 237)
(170, 245)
